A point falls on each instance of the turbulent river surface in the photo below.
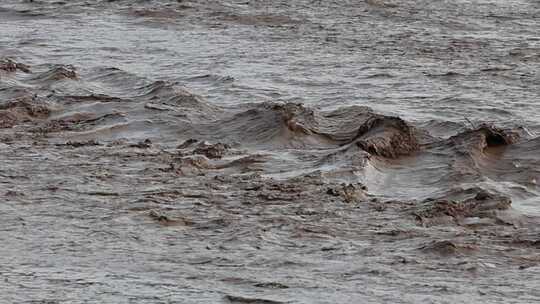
(301, 151)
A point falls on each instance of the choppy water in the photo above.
(269, 151)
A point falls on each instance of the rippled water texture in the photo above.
(269, 151)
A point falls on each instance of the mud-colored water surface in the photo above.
(269, 151)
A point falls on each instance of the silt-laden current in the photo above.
(378, 151)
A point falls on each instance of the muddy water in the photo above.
(269, 151)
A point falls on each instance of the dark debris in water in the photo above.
(482, 205)
(246, 300)
(10, 65)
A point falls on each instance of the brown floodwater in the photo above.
(378, 151)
